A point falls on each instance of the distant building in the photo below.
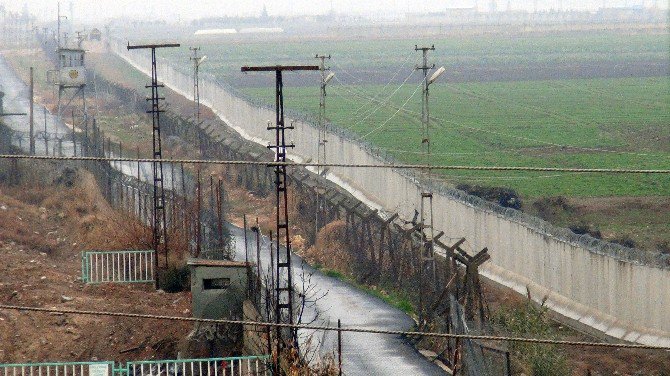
(204, 32)
(95, 34)
(450, 15)
(261, 30)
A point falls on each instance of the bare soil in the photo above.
(43, 231)
(644, 220)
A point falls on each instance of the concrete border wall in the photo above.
(594, 285)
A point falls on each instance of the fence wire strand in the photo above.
(336, 329)
(342, 165)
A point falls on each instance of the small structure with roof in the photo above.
(95, 34)
(71, 67)
(218, 288)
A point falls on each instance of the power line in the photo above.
(382, 103)
(345, 165)
(501, 178)
(383, 90)
(497, 133)
(395, 114)
(335, 329)
(549, 143)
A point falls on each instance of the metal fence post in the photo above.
(508, 363)
(339, 346)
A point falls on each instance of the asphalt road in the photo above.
(362, 353)
(16, 100)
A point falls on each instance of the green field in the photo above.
(510, 123)
(569, 99)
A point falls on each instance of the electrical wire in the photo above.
(381, 103)
(383, 90)
(335, 329)
(344, 165)
(475, 129)
(396, 113)
(498, 133)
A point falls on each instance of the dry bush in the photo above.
(330, 248)
(19, 218)
(178, 242)
(120, 232)
(294, 365)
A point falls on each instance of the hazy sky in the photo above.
(96, 10)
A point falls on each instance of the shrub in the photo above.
(505, 197)
(176, 279)
(625, 241)
(663, 247)
(583, 228)
(550, 207)
(532, 322)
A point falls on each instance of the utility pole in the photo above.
(286, 338)
(321, 152)
(46, 134)
(196, 79)
(80, 38)
(31, 127)
(159, 216)
(427, 275)
(321, 157)
(59, 32)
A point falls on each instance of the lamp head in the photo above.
(436, 75)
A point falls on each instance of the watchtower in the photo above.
(70, 78)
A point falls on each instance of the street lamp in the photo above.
(328, 78)
(436, 75)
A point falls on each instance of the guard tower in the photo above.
(70, 78)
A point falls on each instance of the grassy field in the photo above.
(531, 100)
(518, 123)
(599, 91)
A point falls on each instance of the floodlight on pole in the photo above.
(427, 273)
(436, 75)
(328, 78)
